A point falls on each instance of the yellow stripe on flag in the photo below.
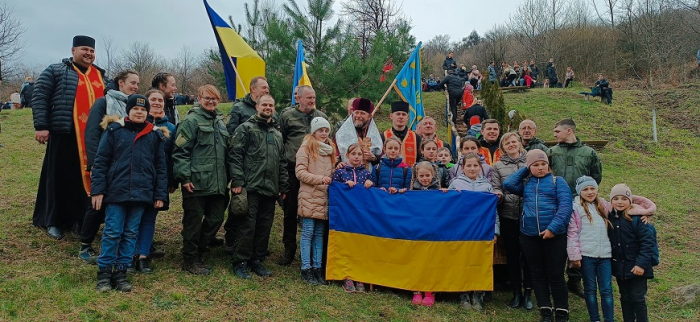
(248, 62)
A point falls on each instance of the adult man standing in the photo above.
(493, 76)
(552, 73)
(410, 141)
(427, 129)
(360, 128)
(26, 92)
(572, 159)
(455, 90)
(258, 165)
(245, 108)
(295, 124)
(449, 63)
(61, 102)
(165, 82)
(490, 139)
(527, 130)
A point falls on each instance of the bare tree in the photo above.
(110, 57)
(369, 17)
(183, 67)
(140, 57)
(11, 32)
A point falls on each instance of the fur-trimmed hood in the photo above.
(109, 119)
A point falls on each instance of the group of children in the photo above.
(604, 238)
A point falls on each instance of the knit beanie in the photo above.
(137, 100)
(474, 120)
(583, 182)
(621, 189)
(319, 122)
(535, 155)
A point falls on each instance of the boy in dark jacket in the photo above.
(129, 174)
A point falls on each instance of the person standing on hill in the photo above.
(26, 92)
(552, 73)
(455, 89)
(295, 124)
(527, 131)
(572, 159)
(61, 102)
(449, 63)
(165, 82)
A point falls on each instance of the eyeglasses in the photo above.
(210, 99)
(527, 128)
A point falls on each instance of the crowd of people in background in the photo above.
(114, 156)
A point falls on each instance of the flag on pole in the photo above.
(300, 75)
(409, 87)
(241, 63)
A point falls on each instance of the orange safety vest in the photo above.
(490, 159)
(409, 150)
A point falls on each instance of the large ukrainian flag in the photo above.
(235, 51)
(300, 75)
(409, 87)
(418, 240)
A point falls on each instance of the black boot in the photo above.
(259, 269)
(241, 270)
(527, 299)
(516, 300)
(319, 275)
(191, 266)
(308, 276)
(143, 265)
(288, 257)
(156, 253)
(104, 276)
(546, 314)
(561, 315)
(120, 282)
(576, 288)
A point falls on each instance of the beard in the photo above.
(359, 125)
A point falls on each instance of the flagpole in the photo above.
(238, 76)
(384, 97)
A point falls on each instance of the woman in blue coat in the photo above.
(547, 208)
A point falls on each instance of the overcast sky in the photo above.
(169, 24)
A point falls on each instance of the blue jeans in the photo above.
(119, 236)
(598, 271)
(311, 242)
(147, 229)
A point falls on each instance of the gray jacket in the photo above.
(510, 205)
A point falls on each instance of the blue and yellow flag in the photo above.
(426, 241)
(300, 75)
(409, 87)
(241, 63)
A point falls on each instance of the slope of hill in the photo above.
(44, 280)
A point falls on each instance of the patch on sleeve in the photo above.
(181, 140)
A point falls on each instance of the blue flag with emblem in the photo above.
(300, 75)
(409, 87)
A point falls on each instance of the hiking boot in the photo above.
(104, 276)
(241, 270)
(120, 282)
(76, 230)
(428, 299)
(143, 265)
(546, 314)
(55, 232)
(132, 267)
(417, 298)
(320, 276)
(527, 299)
(561, 315)
(156, 253)
(216, 242)
(193, 267)
(308, 276)
(516, 300)
(465, 301)
(478, 300)
(287, 258)
(359, 287)
(88, 255)
(349, 286)
(199, 261)
(259, 269)
(576, 288)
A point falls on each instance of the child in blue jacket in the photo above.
(547, 207)
(129, 174)
(392, 174)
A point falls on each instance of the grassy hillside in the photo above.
(41, 279)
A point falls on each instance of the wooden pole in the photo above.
(238, 76)
(376, 108)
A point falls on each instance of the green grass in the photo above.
(43, 280)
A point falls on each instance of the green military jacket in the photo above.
(573, 160)
(536, 143)
(240, 113)
(256, 158)
(295, 125)
(199, 156)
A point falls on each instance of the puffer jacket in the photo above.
(130, 165)
(632, 245)
(449, 63)
(547, 202)
(573, 160)
(358, 175)
(391, 173)
(313, 194)
(295, 125)
(256, 158)
(240, 113)
(199, 155)
(536, 143)
(454, 84)
(54, 96)
(552, 73)
(457, 169)
(164, 122)
(510, 205)
(481, 184)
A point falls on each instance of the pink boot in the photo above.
(429, 299)
(417, 298)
